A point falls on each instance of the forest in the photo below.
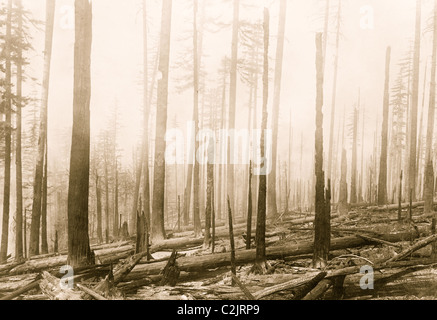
(218, 150)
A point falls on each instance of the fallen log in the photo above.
(243, 288)
(35, 266)
(420, 244)
(289, 285)
(120, 271)
(319, 290)
(90, 292)
(302, 291)
(393, 207)
(197, 263)
(34, 284)
(371, 239)
(51, 287)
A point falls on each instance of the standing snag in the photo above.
(322, 232)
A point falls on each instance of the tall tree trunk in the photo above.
(334, 93)
(382, 182)
(44, 244)
(232, 104)
(115, 225)
(342, 202)
(260, 261)
(415, 101)
(39, 171)
(157, 227)
(196, 167)
(134, 210)
(429, 172)
(361, 191)
(272, 206)
(419, 162)
(106, 198)
(209, 193)
(354, 157)
(325, 32)
(79, 252)
(99, 209)
(7, 134)
(322, 229)
(18, 163)
(146, 102)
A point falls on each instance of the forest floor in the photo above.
(399, 252)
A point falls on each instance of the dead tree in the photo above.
(18, 148)
(249, 210)
(79, 252)
(415, 101)
(322, 219)
(7, 136)
(342, 202)
(334, 93)
(260, 266)
(429, 170)
(353, 198)
(196, 168)
(272, 206)
(233, 99)
(157, 225)
(382, 182)
(39, 171)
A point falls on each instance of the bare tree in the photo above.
(7, 135)
(429, 169)
(276, 102)
(382, 182)
(18, 161)
(39, 171)
(414, 104)
(233, 101)
(260, 265)
(157, 225)
(79, 252)
(322, 229)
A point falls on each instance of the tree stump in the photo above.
(171, 272)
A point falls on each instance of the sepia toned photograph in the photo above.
(236, 151)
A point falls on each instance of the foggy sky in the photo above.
(117, 65)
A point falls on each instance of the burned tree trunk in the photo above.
(382, 182)
(260, 265)
(209, 194)
(196, 168)
(249, 211)
(353, 198)
(158, 232)
(18, 161)
(414, 104)
(230, 168)
(272, 206)
(342, 202)
(334, 92)
(79, 252)
(7, 136)
(99, 209)
(146, 101)
(322, 219)
(429, 171)
(39, 171)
